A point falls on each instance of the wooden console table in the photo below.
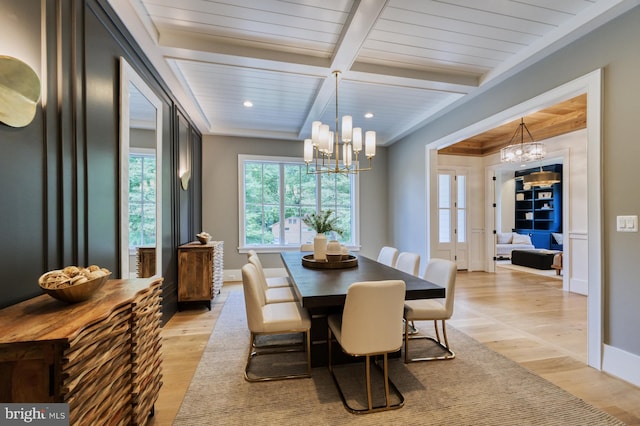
(101, 356)
(146, 259)
(199, 272)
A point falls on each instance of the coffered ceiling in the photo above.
(405, 61)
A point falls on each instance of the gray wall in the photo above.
(64, 208)
(614, 48)
(220, 194)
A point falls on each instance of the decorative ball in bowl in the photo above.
(73, 284)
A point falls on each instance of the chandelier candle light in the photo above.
(324, 146)
(526, 152)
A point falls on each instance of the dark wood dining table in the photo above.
(323, 292)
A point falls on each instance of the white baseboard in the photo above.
(231, 275)
(579, 286)
(621, 364)
(235, 275)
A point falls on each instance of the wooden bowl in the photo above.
(76, 292)
(310, 262)
(203, 240)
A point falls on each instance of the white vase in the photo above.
(320, 247)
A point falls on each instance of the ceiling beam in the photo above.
(362, 18)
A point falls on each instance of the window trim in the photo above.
(276, 248)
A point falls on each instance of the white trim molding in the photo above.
(621, 364)
(591, 84)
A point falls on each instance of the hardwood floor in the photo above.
(527, 318)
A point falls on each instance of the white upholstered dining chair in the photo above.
(368, 326)
(269, 319)
(272, 294)
(272, 282)
(443, 273)
(388, 256)
(408, 262)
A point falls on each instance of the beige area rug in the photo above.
(551, 273)
(478, 387)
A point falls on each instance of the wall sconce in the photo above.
(19, 92)
(185, 176)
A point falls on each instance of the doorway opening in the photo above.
(484, 241)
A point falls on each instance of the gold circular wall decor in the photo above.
(19, 92)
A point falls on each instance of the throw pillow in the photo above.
(521, 239)
(557, 237)
(504, 237)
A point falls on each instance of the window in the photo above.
(444, 208)
(461, 206)
(142, 198)
(275, 193)
(452, 205)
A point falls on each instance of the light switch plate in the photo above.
(627, 223)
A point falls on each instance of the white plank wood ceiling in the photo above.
(404, 61)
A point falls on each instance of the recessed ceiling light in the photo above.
(368, 115)
(247, 104)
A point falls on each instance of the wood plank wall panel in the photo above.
(59, 175)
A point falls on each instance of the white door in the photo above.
(452, 217)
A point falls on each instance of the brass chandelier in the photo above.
(324, 147)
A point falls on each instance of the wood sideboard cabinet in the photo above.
(200, 272)
(101, 356)
(146, 259)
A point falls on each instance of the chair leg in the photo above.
(276, 349)
(388, 387)
(308, 341)
(412, 327)
(444, 345)
(368, 373)
(406, 341)
(385, 372)
(387, 397)
(435, 327)
(444, 334)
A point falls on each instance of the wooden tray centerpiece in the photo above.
(348, 261)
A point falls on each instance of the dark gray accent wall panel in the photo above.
(59, 176)
(102, 143)
(196, 180)
(23, 170)
(184, 195)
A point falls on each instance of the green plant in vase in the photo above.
(322, 223)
